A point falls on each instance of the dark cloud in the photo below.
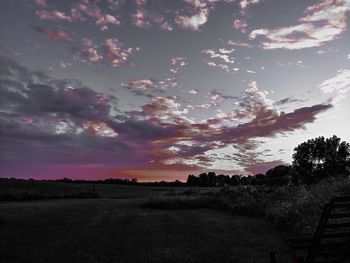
(63, 121)
(273, 124)
(287, 101)
(26, 93)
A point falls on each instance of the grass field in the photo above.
(116, 229)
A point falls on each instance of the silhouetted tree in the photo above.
(278, 171)
(212, 180)
(192, 180)
(319, 158)
(278, 175)
(259, 179)
(235, 180)
(203, 179)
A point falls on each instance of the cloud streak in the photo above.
(323, 22)
(63, 121)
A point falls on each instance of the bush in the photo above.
(302, 207)
(291, 208)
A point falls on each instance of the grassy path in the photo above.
(117, 230)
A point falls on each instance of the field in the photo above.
(116, 229)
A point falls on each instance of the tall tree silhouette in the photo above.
(319, 158)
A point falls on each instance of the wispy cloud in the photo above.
(338, 85)
(239, 44)
(240, 25)
(247, 3)
(54, 34)
(323, 22)
(64, 121)
(143, 84)
(220, 58)
(53, 15)
(115, 52)
(178, 64)
(41, 3)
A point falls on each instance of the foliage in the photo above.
(275, 176)
(291, 207)
(320, 158)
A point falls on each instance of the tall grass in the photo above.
(30, 195)
(291, 208)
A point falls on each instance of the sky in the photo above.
(159, 89)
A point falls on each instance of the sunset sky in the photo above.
(160, 89)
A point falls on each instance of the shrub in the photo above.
(291, 208)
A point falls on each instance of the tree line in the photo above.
(313, 160)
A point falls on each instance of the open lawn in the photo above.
(119, 230)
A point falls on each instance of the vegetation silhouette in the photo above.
(320, 158)
(313, 160)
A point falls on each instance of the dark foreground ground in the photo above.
(116, 229)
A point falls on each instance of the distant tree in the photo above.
(319, 158)
(192, 180)
(134, 180)
(203, 179)
(278, 171)
(259, 179)
(246, 180)
(221, 180)
(212, 179)
(278, 175)
(235, 180)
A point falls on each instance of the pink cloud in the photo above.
(91, 54)
(193, 92)
(263, 167)
(220, 54)
(54, 34)
(89, 51)
(166, 26)
(239, 44)
(66, 122)
(53, 15)
(41, 3)
(178, 64)
(195, 21)
(240, 25)
(199, 17)
(64, 65)
(139, 19)
(220, 59)
(247, 3)
(116, 54)
(338, 85)
(143, 84)
(254, 103)
(322, 23)
(88, 42)
(114, 4)
(84, 7)
(90, 10)
(104, 20)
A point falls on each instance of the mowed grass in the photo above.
(104, 190)
(119, 230)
